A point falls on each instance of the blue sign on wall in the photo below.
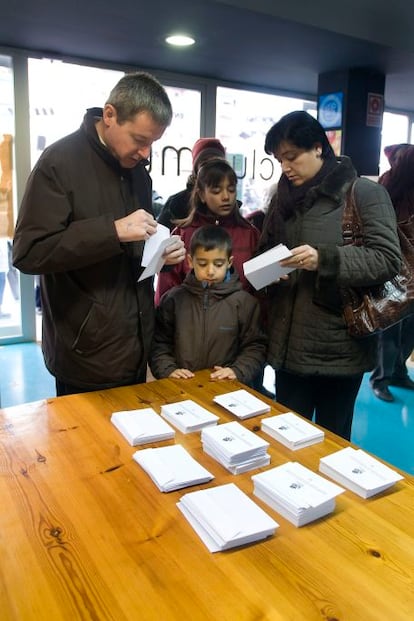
(330, 110)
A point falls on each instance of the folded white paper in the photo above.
(238, 449)
(296, 492)
(225, 517)
(234, 442)
(242, 403)
(171, 467)
(292, 430)
(358, 471)
(265, 269)
(142, 426)
(188, 416)
(152, 256)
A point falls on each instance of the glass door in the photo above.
(10, 311)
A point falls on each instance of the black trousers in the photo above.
(394, 347)
(331, 399)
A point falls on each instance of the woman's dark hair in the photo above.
(210, 174)
(399, 180)
(211, 237)
(302, 130)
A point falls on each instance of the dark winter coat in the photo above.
(177, 207)
(97, 320)
(244, 237)
(198, 327)
(307, 332)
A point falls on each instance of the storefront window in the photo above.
(394, 131)
(59, 95)
(171, 161)
(10, 315)
(243, 119)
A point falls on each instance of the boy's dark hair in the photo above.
(302, 130)
(211, 237)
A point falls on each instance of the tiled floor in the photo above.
(383, 429)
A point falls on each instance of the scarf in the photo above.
(291, 199)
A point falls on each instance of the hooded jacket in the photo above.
(307, 332)
(198, 327)
(244, 237)
(97, 320)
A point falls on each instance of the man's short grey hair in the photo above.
(140, 92)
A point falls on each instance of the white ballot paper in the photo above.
(358, 471)
(296, 492)
(242, 404)
(238, 449)
(152, 257)
(142, 426)
(265, 269)
(292, 430)
(188, 416)
(224, 517)
(171, 467)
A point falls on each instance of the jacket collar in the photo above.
(335, 184)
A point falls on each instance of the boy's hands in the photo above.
(223, 373)
(181, 374)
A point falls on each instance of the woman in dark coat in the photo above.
(319, 367)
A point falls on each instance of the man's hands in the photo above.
(175, 252)
(136, 226)
(139, 226)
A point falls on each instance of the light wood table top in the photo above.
(85, 533)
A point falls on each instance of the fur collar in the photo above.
(335, 184)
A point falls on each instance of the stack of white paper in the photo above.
(358, 471)
(292, 430)
(265, 268)
(235, 447)
(142, 426)
(188, 415)
(171, 467)
(242, 404)
(296, 492)
(225, 517)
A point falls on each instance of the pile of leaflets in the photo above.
(292, 430)
(142, 426)
(242, 404)
(224, 517)
(171, 467)
(358, 471)
(235, 447)
(188, 416)
(296, 492)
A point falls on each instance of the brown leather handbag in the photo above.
(369, 310)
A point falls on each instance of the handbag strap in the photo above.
(351, 220)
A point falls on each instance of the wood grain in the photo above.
(85, 534)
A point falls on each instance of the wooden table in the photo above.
(85, 533)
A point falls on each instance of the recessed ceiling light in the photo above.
(180, 40)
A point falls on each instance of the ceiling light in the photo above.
(180, 40)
